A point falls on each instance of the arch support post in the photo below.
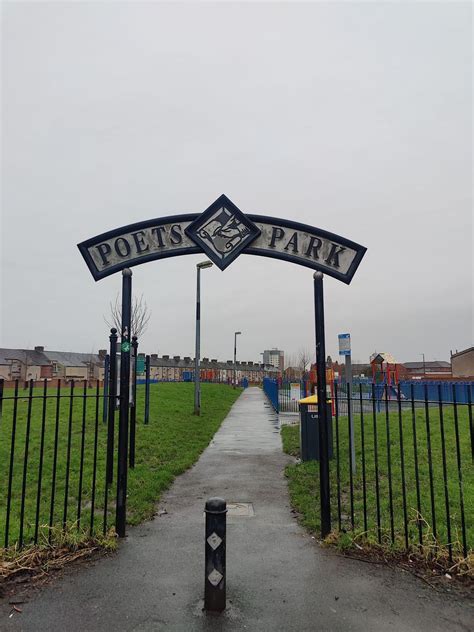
(125, 347)
(323, 425)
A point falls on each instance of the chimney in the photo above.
(39, 348)
(205, 359)
(187, 359)
(229, 362)
(214, 360)
(102, 353)
(166, 357)
(250, 363)
(176, 358)
(154, 356)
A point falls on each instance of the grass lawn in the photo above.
(165, 448)
(304, 481)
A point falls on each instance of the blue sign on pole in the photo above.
(344, 344)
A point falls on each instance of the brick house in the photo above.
(462, 363)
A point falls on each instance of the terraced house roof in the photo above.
(34, 357)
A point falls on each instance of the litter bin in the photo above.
(309, 428)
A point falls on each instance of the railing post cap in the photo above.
(216, 506)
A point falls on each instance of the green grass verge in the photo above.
(304, 481)
(165, 448)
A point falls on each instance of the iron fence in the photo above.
(59, 455)
(402, 471)
(52, 462)
(290, 393)
(413, 468)
(285, 394)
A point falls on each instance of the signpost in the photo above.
(345, 344)
(345, 350)
(120, 513)
(222, 232)
(295, 391)
(140, 365)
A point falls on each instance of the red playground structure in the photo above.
(385, 371)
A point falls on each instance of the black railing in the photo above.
(413, 468)
(52, 462)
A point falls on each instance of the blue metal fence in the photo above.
(270, 388)
(282, 393)
(462, 391)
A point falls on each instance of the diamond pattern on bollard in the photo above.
(214, 540)
(215, 577)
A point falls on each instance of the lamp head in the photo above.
(204, 264)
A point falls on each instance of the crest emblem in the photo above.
(222, 231)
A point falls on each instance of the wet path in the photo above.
(278, 577)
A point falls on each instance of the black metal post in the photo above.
(322, 408)
(133, 410)
(106, 388)
(25, 462)
(55, 460)
(147, 390)
(40, 470)
(1, 396)
(94, 461)
(68, 454)
(215, 576)
(12, 457)
(121, 508)
(111, 404)
(81, 467)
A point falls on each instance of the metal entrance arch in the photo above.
(222, 232)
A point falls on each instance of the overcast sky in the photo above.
(352, 117)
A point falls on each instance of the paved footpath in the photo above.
(278, 577)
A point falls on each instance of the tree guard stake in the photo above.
(215, 579)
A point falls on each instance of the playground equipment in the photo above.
(385, 373)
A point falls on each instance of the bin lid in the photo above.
(312, 399)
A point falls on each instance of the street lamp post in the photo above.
(197, 380)
(424, 365)
(236, 333)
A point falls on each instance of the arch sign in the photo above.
(222, 232)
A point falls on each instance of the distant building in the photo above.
(429, 368)
(275, 357)
(462, 363)
(293, 373)
(175, 368)
(358, 370)
(38, 364)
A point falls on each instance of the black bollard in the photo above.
(215, 579)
